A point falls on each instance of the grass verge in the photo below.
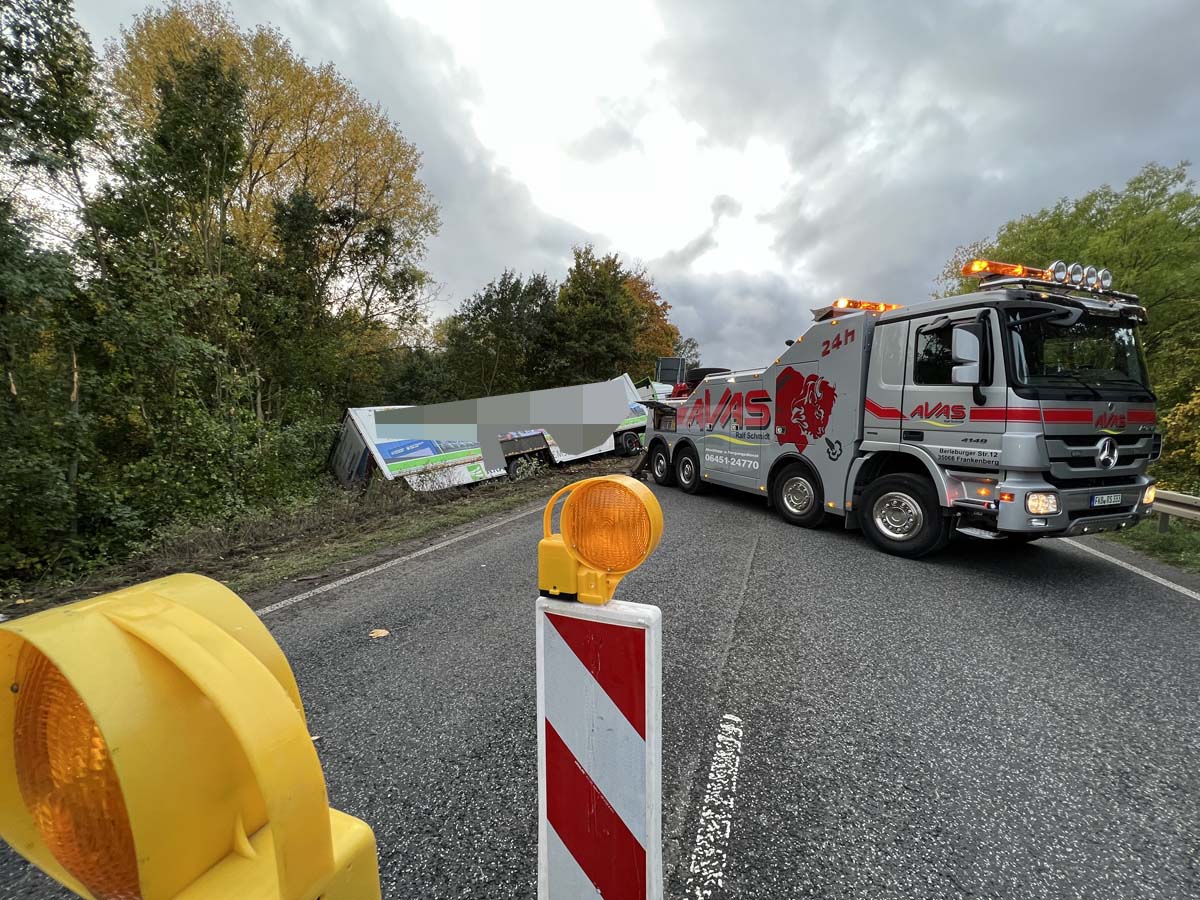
(265, 550)
(1179, 546)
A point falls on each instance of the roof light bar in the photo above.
(869, 305)
(1075, 274)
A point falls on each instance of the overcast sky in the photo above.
(760, 158)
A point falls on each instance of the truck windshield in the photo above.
(1097, 354)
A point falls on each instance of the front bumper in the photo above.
(1076, 514)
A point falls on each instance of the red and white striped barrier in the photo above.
(599, 696)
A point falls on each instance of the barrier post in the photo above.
(599, 699)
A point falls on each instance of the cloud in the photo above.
(603, 142)
(723, 205)
(885, 136)
(910, 130)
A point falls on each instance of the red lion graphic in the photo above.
(803, 405)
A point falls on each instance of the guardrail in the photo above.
(1169, 503)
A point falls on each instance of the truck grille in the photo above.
(1073, 458)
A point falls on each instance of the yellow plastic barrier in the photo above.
(153, 747)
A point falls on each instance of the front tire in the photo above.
(900, 515)
(660, 466)
(687, 470)
(799, 497)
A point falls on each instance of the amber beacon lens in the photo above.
(608, 526)
(68, 782)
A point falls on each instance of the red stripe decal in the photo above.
(616, 657)
(882, 412)
(983, 414)
(1024, 414)
(590, 828)
(1067, 416)
(1142, 417)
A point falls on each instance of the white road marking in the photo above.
(365, 573)
(1178, 588)
(706, 874)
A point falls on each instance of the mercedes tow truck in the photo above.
(1017, 412)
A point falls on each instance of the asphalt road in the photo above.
(995, 722)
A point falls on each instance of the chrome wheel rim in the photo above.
(687, 471)
(898, 516)
(797, 496)
(660, 465)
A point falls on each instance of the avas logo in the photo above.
(750, 410)
(950, 412)
(803, 406)
(1110, 420)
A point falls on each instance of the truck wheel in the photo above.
(687, 470)
(900, 515)
(660, 466)
(799, 497)
(628, 443)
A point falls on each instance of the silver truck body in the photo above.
(849, 402)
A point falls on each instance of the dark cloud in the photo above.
(914, 128)
(604, 142)
(675, 260)
(740, 320)
(974, 111)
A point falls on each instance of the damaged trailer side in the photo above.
(447, 444)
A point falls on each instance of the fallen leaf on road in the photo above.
(23, 602)
(379, 632)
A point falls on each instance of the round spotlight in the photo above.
(1058, 271)
(1075, 271)
(1105, 279)
(1090, 276)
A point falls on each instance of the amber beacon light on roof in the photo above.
(1058, 272)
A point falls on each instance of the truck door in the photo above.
(957, 424)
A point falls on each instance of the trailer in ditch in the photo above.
(449, 444)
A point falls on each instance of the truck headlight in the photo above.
(1041, 504)
(1151, 493)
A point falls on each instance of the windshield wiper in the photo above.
(1132, 382)
(1077, 379)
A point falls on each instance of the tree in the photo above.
(47, 100)
(688, 349)
(1148, 235)
(306, 128)
(497, 336)
(38, 400)
(655, 335)
(592, 335)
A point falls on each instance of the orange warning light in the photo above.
(981, 267)
(868, 305)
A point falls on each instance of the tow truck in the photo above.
(1020, 411)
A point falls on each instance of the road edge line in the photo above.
(349, 579)
(1157, 579)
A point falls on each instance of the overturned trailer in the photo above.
(447, 444)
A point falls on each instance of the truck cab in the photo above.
(1020, 411)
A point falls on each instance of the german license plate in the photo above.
(1106, 500)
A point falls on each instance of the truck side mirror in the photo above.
(965, 346)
